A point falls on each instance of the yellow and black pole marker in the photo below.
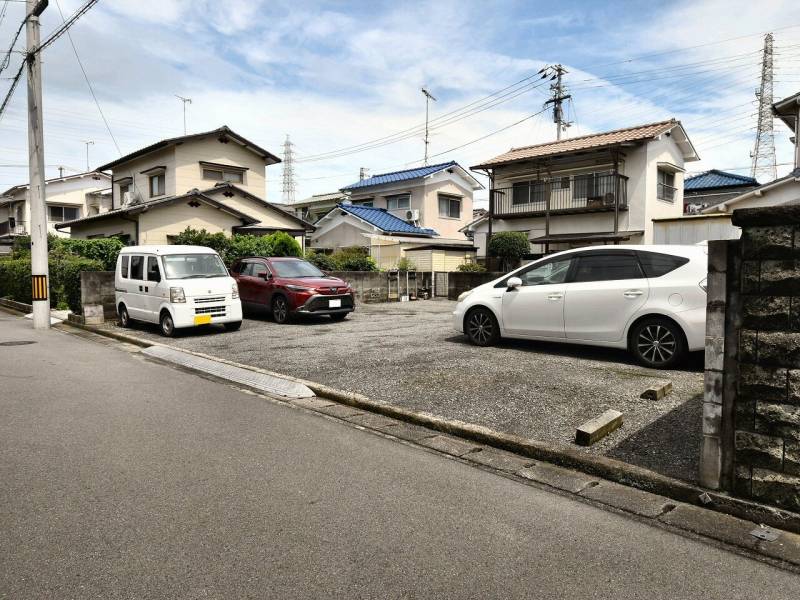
(39, 287)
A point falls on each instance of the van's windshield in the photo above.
(193, 266)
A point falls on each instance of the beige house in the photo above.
(214, 181)
(67, 198)
(604, 188)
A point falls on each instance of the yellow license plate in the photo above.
(202, 319)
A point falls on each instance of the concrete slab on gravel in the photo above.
(497, 459)
(712, 524)
(450, 445)
(341, 411)
(627, 498)
(557, 477)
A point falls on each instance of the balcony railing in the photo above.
(7, 229)
(595, 192)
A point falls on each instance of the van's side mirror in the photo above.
(513, 283)
(265, 275)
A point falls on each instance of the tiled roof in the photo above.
(716, 179)
(584, 142)
(384, 220)
(405, 175)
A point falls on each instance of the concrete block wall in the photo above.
(97, 296)
(766, 404)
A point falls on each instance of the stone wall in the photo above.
(458, 283)
(760, 382)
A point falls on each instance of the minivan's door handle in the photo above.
(140, 288)
(633, 293)
(555, 296)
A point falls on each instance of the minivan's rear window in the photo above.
(656, 264)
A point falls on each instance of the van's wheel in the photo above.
(167, 324)
(481, 327)
(658, 343)
(124, 317)
(233, 326)
(280, 310)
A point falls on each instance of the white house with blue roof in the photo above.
(713, 187)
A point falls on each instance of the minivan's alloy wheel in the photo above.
(280, 310)
(167, 325)
(124, 318)
(482, 328)
(657, 343)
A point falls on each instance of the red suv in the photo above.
(291, 286)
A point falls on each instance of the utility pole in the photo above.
(185, 102)
(763, 154)
(558, 90)
(428, 98)
(88, 143)
(289, 185)
(40, 275)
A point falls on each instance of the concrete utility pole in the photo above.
(40, 275)
(556, 72)
(428, 98)
(185, 102)
(88, 143)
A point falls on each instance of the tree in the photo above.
(509, 247)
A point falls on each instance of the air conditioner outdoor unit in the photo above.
(126, 198)
(131, 198)
(412, 215)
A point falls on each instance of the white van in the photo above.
(175, 286)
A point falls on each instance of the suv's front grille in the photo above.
(214, 311)
(206, 299)
(323, 304)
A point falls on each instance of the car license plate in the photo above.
(335, 303)
(202, 319)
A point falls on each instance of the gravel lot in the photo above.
(409, 355)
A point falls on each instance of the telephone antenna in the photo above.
(763, 154)
(289, 184)
(185, 102)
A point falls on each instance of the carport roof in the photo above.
(555, 238)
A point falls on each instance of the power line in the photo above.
(88, 82)
(62, 29)
(10, 93)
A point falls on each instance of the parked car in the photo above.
(650, 300)
(292, 286)
(176, 287)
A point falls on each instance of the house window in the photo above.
(450, 207)
(124, 189)
(59, 214)
(398, 202)
(367, 203)
(525, 192)
(666, 186)
(223, 175)
(158, 184)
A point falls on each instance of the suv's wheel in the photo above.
(658, 343)
(481, 327)
(280, 310)
(124, 317)
(167, 324)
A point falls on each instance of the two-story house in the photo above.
(604, 188)
(214, 180)
(67, 198)
(315, 207)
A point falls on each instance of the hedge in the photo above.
(65, 280)
(232, 248)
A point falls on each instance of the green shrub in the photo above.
(193, 237)
(472, 268)
(284, 245)
(246, 245)
(65, 279)
(15, 279)
(232, 248)
(509, 247)
(103, 250)
(406, 264)
(353, 259)
(324, 262)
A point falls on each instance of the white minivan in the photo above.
(650, 300)
(176, 287)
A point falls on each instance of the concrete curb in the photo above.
(14, 305)
(564, 456)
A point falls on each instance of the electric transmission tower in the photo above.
(559, 94)
(288, 171)
(763, 154)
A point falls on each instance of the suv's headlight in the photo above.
(234, 291)
(176, 294)
(464, 295)
(299, 288)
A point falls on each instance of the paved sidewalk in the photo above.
(124, 478)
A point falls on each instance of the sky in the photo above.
(344, 79)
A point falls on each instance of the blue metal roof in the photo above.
(717, 179)
(400, 175)
(384, 220)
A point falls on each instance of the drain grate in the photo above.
(17, 343)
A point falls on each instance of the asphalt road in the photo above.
(408, 354)
(123, 478)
